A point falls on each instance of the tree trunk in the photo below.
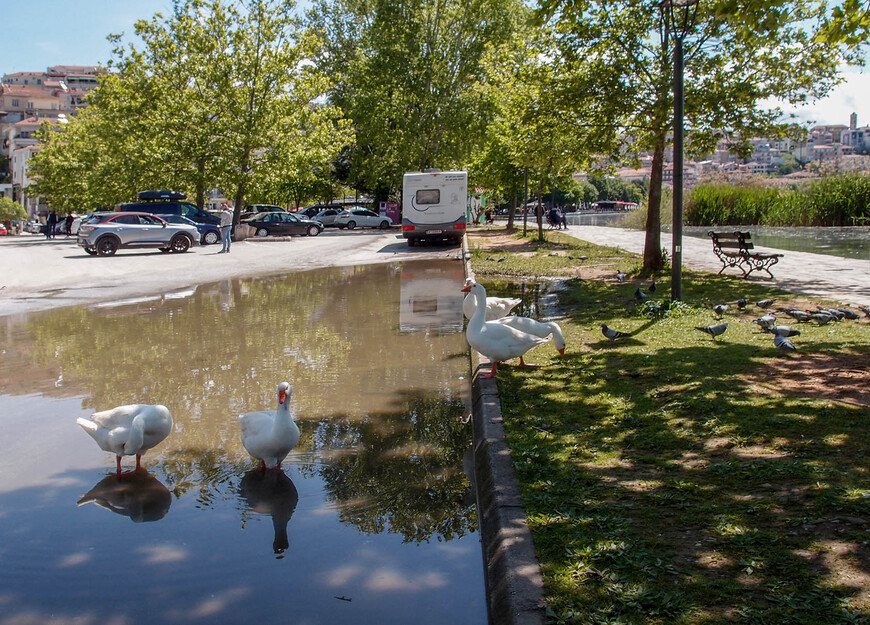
(511, 210)
(652, 250)
(539, 210)
(200, 183)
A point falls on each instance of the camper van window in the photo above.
(429, 196)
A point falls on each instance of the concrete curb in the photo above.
(514, 584)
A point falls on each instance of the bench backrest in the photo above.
(732, 240)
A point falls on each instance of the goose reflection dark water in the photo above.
(271, 492)
(135, 494)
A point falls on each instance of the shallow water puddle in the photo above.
(371, 520)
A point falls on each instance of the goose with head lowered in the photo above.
(129, 430)
(496, 341)
(496, 307)
(269, 435)
(542, 329)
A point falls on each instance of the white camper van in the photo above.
(434, 205)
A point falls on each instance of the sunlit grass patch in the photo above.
(671, 477)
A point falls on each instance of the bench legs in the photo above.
(760, 262)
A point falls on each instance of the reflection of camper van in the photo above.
(431, 297)
(434, 205)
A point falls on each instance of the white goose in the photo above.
(541, 329)
(496, 307)
(496, 341)
(129, 430)
(269, 435)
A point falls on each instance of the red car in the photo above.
(3, 231)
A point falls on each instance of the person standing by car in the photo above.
(226, 227)
(68, 223)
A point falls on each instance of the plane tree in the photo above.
(613, 71)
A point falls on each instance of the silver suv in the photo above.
(106, 233)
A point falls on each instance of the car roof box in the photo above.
(161, 194)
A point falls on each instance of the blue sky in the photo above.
(41, 33)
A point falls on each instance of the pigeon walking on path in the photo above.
(783, 344)
(713, 331)
(612, 334)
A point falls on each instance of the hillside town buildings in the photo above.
(30, 99)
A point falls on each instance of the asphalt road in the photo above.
(37, 274)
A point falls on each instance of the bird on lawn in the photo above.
(798, 315)
(783, 344)
(766, 303)
(496, 307)
(849, 313)
(652, 287)
(766, 321)
(129, 430)
(865, 310)
(741, 303)
(640, 295)
(269, 435)
(713, 331)
(613, 334)
(620, 276)
(783, 331)
(720, 309)
(543, 329)
(497, 341)
(822, 318)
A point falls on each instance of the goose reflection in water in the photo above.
(272, 493)
(135, 494)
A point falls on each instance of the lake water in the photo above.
(372, 519)
(845, 242)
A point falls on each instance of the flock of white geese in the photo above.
(270, 435)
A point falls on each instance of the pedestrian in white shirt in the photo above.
(226, 227)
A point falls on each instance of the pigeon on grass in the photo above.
(784, 344)
(783, 331)
(640, 295)
(612, 334)
(713, 331)
(741, 303)
(766, 321)
(765, 303)
(720, 309)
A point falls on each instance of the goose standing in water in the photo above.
(269, 435)
(129, 430)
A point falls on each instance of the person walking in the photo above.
(68, 223)
(226, 227)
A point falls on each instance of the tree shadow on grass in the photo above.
(664, 488)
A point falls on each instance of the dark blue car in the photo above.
(208, 233)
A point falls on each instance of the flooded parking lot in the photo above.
(372, 519)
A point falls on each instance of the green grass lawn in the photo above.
(673, 478)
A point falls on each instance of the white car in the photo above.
(357, 216)
(327, 216)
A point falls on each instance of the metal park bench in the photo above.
(735, 249)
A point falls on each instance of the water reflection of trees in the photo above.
(403, 476)
(334, 334)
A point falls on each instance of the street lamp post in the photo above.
(679, 32)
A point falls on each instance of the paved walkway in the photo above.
(844, 280)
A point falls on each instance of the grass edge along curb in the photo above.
(514, 584)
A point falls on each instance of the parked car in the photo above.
(33, 227)
(357, 216)
(310, 211)
(265, 224)
(105, 233)
(327, 216)
(168, 203)
(253, 209)
(209, 234)
(3, 231)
